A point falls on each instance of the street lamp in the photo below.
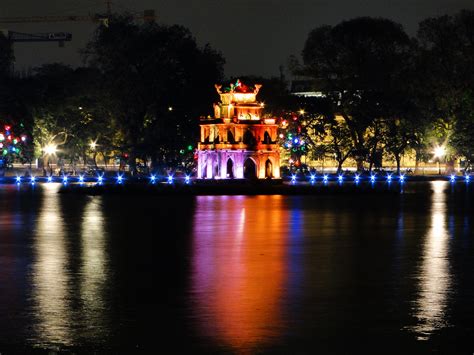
(439, 152)
(50, 149)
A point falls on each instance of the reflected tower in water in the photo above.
(239, 268)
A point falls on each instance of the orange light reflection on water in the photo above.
(239, 268)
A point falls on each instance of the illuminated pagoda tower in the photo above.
(238, 142)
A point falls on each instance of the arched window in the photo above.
(268, 169)
(230, 168)
(230, 137)
(266, 138)
(250, 169)
(249, 139)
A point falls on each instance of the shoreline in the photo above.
(179, 187)
(230, 190)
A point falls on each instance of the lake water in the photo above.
(238, 274)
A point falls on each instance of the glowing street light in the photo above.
(439, 152)
(93, 145)
(50, 149)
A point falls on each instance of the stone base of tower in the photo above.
(238, 164)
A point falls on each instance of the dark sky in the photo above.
(255, 36)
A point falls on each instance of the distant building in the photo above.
(238, 142)
(304, 87)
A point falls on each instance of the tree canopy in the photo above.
(155, 82)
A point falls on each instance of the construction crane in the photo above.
(146, 15)
(59, 37)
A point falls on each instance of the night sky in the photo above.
(255, 36)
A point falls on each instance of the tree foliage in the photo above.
(357, 65)
(155, 82)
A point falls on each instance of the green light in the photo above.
(181, 151)
(15, 141)
(5, 152)
(190, 147)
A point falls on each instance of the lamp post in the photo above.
(439, 152)
(49, 150)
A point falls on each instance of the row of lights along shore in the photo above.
(153, 179)
(372, 178)
(99, 179)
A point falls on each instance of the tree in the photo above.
(463, 131)
(445, 60)
(66, 114)
(332, 134)
(156, 82)
(355, 64)
(15, 113)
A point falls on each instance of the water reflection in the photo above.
(69, 272)
(94, 268)
(434, 276)
(239, 268)
(51, 281)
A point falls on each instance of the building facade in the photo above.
(238, 142)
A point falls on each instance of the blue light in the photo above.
(100, 179)
(357, 179)
(402, 178)
(187, 179)
(50, 178)
(152, 179)
(340, 178)
(293, 178)
(389, 178)
(312, 178)
(372, 178)
(65, 179)
(325, 178)
(18, 179)
(119, 179)
(468, 178)
(81, 179)
(453, 178)
(170, 179)
(295, 140)
(32, 179)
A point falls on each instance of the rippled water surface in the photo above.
(238, 274)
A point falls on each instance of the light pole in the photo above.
(48, 151)
(439, 152)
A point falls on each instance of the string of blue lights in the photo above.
(170, 179)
